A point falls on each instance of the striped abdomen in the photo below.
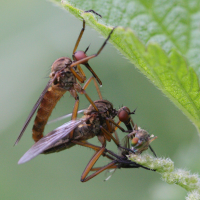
(47, 104)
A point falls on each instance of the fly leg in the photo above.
(75, 48)
(79, 38)
(94, 147)
(96, 86)
(152, 151)
(122, 163)
(75, 109)
(82, 31)
(93, 160)
(109, 135)
(109, 167)
(83, 59)
(82, 91)
(80, 54)
(100, 151)
(117, 162)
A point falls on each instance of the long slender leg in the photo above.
(109, 135)
(91, 164)
(108, 166)
(82, 31)
(125, 165)
(82, 91)
(152, 151)
(112, 165)
(117, 125)
(96, 85)
(98, 168)
(81, 71)
(84, 60)
(94, 147)
(93, 73)
(75, 109)
(75, 48)
(115, 133)
(93, 160)
(79, 37)
(80, 78)
(86, 144)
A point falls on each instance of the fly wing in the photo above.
(34, 109)
(50, 139)
(124, 143)
(63, 117)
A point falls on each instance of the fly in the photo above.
(63, 77)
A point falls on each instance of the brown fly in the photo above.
(94, 123)
(63, 77)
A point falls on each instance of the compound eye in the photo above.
(134, 141)
(123, 114)
(79, 55)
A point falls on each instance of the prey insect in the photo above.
(140, 138)
(64, 76)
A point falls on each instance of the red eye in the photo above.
(123, 114)
(79, 55)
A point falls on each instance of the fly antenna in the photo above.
(87, 48)
(132, 113)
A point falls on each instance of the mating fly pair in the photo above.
(97, 120)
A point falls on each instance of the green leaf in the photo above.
(161, 38)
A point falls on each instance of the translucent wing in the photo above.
(63, 117)
(34, 109)
(50, 139)
(124, 143)
(111, 172)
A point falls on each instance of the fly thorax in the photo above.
(105, 108)
(64, 79)
(61, 72)
(94, 124)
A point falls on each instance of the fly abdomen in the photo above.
(58, 148)
(47, 104)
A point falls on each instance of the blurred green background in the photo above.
(35, 33)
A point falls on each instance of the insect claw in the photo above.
(93, 12)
